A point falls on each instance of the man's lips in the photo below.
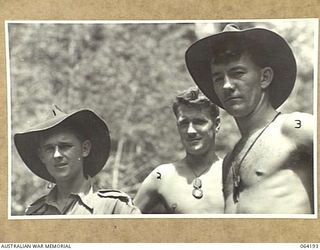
(60, 165)
(232, 98)
(193, 139)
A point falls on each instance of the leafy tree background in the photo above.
(128, 73)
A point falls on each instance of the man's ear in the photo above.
(86, 148)
(266, 77)
(217, 124)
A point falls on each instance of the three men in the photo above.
(193, 184)
(250, 73)
(69, 149)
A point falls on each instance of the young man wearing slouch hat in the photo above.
(69, 149)
(250, 73)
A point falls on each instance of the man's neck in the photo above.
(257, 119)
(79, 185)
(199, 163)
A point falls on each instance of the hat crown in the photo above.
(231, 27)
(274, 49)
(94, 128)
(56, 111)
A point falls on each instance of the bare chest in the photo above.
(178, 193)
(253, 161)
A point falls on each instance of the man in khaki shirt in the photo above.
(69, 149)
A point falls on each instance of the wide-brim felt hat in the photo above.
(85, 121)
(270, 45)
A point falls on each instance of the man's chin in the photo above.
(235, 111)
(196, 151)
(60, 176)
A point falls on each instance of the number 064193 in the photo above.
(309, 245)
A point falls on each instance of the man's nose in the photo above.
(227, 83)
(191, 129)
(57, 152)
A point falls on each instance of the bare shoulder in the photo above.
(297, 122)
(298, 128)
(154, 179)
(148, 195)
(165, 169)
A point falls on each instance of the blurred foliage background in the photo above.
(128, 73)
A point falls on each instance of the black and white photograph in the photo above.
(162, 119)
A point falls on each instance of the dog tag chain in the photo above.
(236, 167)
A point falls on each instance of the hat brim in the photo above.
(281, 59)
(86, 120)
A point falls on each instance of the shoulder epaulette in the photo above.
(35, 207)
(115, 194)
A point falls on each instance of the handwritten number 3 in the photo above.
(298, 124)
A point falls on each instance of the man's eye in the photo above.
(238, 73)
(199, 122)
(65, 146)
(182, 123)
(48, 150)
(217, 80)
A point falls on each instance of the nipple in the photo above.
(174, 207)
(259, 173)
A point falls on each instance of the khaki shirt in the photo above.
(102, 201)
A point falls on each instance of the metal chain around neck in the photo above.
(236, 168)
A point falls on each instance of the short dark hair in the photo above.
(194, 97)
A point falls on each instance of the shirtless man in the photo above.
(250, 73)
(193, 184)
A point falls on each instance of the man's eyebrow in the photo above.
(62, 141)
(216, 74)
(181, 119)
(237, 67)
(46, 145)
(233, 68)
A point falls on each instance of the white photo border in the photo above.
(313, 21)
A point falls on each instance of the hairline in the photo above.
(196, 106)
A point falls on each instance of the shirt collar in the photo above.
(51, 197)
(87, 199)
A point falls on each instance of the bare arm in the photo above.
(148, 196)
(298, 128)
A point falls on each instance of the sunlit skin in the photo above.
(276, 175)
(168, 189)
(240, 85)
(197, 130)
(62, 152)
